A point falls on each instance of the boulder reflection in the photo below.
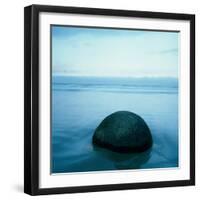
(124, 160)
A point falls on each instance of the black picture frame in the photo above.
(31, 98)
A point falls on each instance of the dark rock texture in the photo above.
(123, 132)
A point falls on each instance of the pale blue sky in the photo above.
(114, 52)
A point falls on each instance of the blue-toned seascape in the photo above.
(79, 104)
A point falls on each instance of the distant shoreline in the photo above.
(115, 84)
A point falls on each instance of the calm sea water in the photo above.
(79, 104)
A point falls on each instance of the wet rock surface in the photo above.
(123, 132)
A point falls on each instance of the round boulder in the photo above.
(123, 132)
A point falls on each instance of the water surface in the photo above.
(79, 104)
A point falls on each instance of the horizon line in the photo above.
(112, 76)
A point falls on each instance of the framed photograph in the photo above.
(109, 99)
